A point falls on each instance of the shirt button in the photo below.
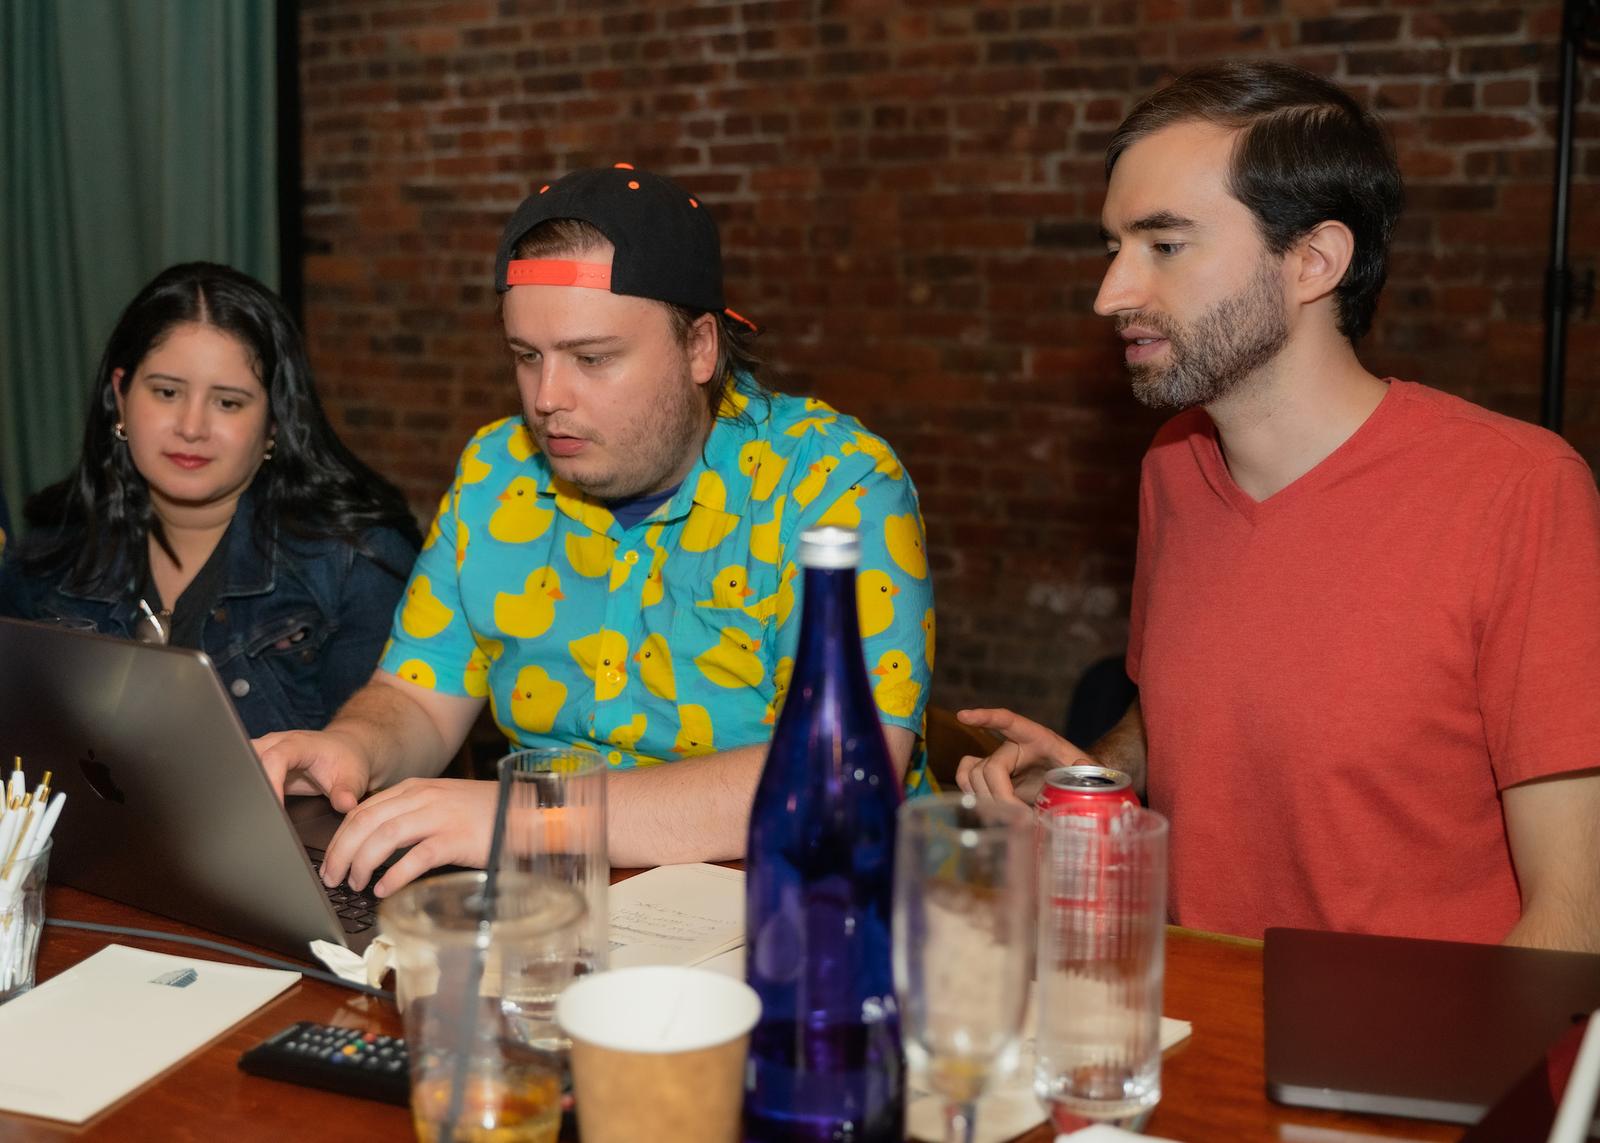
(220, 615)
(631, 558)
(239, 687)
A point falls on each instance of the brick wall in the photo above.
(909, 196)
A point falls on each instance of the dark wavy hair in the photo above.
(98, 518)
(1307, 153)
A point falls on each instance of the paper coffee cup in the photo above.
(658, 1053)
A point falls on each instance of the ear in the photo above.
(117, 392)
(1321, 258)
(701, 347)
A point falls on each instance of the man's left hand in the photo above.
(445, 821)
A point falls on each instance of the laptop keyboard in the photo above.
(356, 911)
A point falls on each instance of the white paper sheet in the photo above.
(85, 1038)
(676, 914)
(1010, 1107)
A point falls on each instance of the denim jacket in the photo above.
(292, 635)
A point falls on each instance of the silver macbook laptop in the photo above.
(167, 806)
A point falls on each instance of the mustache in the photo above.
(1158, 322)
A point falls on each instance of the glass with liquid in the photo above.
(477, 994)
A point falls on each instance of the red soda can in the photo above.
(1082, 915)
(1095, 791)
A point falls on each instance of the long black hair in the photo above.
(99, 517)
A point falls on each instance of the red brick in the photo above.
(909, 196)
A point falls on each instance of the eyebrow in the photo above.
(588, 342)
(1160, 220)
(169, 377)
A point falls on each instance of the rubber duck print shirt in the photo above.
(676, 636)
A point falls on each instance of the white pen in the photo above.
(18, 782)
(51, 813)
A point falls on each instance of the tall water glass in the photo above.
(556, 828)
(963, 943)
(1102, 930)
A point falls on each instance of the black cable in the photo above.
(218, 946)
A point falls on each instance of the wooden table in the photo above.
(1212, 1083)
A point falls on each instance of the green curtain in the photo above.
(136, 134)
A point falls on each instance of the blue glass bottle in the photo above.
(825, 1060)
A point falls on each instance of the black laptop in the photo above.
(1427, 1029)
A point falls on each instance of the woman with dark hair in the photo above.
(213, 506)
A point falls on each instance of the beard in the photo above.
(639, 458)
(1213, 355)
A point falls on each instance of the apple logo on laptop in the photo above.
(98, 775)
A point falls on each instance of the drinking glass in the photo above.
(963, 926)
(464, 971)
(1102, 930)
(556, 827)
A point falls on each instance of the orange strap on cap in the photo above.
(557, 272)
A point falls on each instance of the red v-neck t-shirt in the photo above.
(1338, 681)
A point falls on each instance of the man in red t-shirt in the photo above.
(1366, 614)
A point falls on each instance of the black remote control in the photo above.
(346, 1060)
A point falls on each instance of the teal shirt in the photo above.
(674, 637)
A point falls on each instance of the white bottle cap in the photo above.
(830, 548)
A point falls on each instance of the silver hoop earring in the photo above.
(119, 432)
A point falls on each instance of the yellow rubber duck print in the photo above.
(472, 469)
(780, 682)
(731, 661)
(569, 499)
(818, 405)
(765, 542)
(654, 588)
(844, 512)
(536, 699)
(655, 667)
(733, 402)
(903, 535)
(694, 731)
(875, 593)
(520, 444)
(604, 658)
(888, 463)
(423, 616)
(417, 672)
(819, 471)
(763, 466)
(528, 614)
(708, 525)
(897, 693)
(590, 556)
(728, 589)
(927, 636)
(818, 425)
(433, 528)
(461, 543)
(475, 679)
(520, 517)
(628, 734)
(780, 603)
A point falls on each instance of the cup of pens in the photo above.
(26, 819)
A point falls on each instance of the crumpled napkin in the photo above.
(354, 967)
(1010, 1107)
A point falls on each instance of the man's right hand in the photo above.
(316, 762)
(1015, 771)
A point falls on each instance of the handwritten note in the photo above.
(676, 914)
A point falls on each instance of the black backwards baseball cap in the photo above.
(665, 241)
